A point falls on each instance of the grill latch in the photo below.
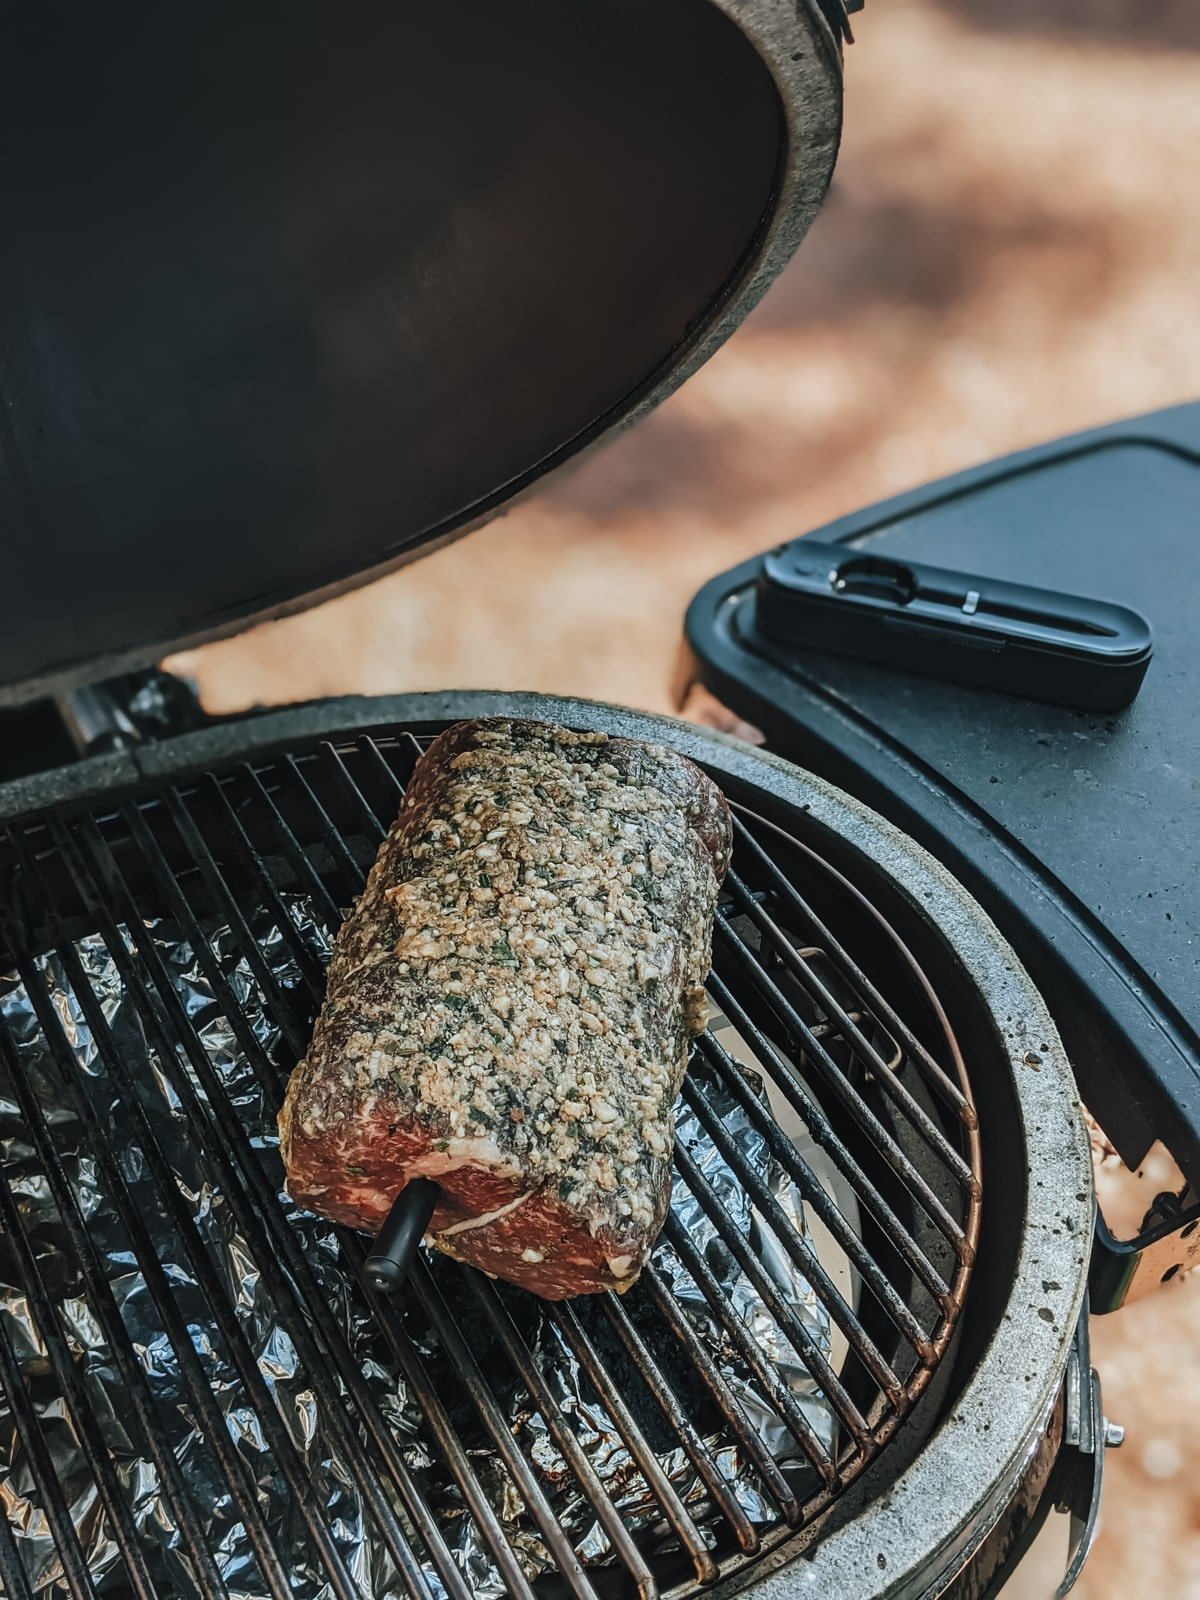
(1079, 1470)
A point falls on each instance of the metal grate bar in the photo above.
(797, 1334)
(87, 1428)
(216, 885)
(349, 869)
(168, 1029)
(314, 886)
(50, 1495)
(731, 1409)
(371, 821)
(100, 1294)
(232, 1467)
(407, 747)
(262, 885)
(821, 1130)
(804, 1257)
(350, 877)
(849, 1030)
(476, 1385)
(751, 1352)
(799, 1249)
(609, 1517)
(750, 969)
(572, 1330)
(682, 1426)
(952, 1093)
(218, 888)
(13, 1582)
(271, 1564)
(455, 1457)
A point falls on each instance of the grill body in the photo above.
(992, 1404)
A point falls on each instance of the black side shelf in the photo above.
(1079, 831)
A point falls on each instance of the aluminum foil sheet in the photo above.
(255, 1102)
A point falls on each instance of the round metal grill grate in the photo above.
(198, 1397)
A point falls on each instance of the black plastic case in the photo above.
(1079, 830)
(1041, 643)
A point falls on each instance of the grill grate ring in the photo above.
(900, 1133)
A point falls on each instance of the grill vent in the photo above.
(147, 1251)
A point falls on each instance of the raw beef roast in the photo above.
(510, 1002)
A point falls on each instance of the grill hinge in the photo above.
(1125, 1270)
(102, 718)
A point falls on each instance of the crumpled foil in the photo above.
(299, 1409)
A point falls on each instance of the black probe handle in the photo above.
(386, 1268)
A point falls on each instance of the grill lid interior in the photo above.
(291, 296)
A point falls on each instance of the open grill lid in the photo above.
(292, 295)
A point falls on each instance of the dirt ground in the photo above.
(1011, 251)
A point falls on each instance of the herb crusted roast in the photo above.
(510, 1002)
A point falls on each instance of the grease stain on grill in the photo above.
(200, 1401)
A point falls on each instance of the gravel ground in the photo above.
(1010, 252)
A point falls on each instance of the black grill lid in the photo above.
(291, 293)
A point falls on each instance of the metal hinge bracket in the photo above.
(1124, 1270)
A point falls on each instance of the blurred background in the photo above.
(1011, 251)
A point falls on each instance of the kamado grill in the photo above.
(291, 299)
